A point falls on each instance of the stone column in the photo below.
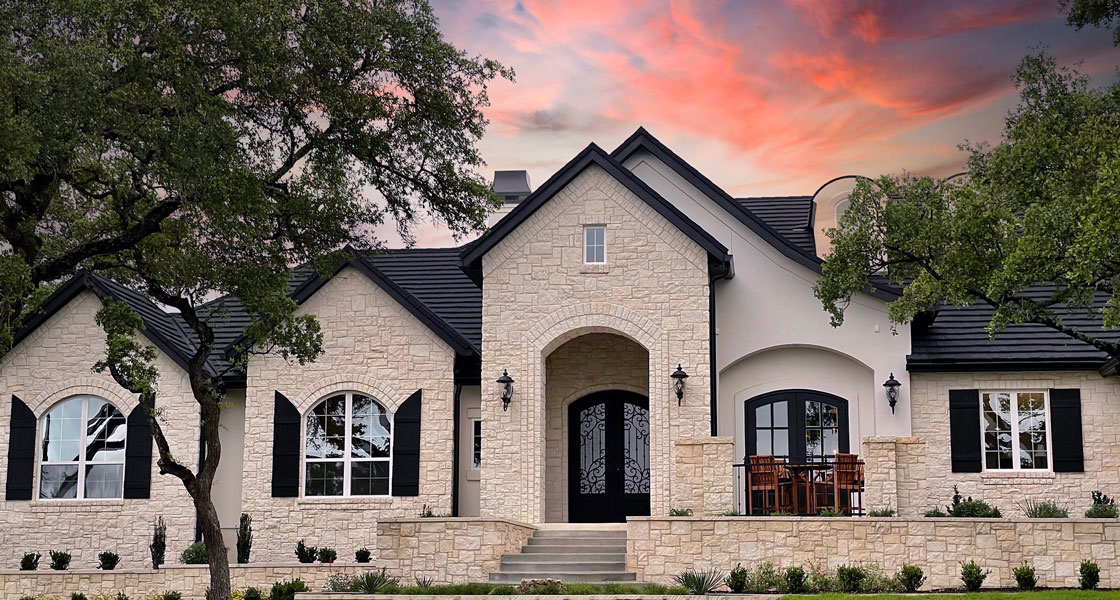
(702, 478)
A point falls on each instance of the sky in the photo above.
(769, 97)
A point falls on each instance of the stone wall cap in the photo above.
(455, 520)
(935, 520)
(892, 439)
(696, 441)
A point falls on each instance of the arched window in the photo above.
(841, 208)
(82, 445)
(348, 450)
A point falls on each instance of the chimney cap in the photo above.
(512, 185)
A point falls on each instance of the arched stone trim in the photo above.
(383, 393)
(579, 319)
(120, 398)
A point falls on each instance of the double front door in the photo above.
(797, 425)
(608, 457)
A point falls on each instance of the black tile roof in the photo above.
(790, 216)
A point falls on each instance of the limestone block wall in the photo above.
(448, 550)
(653, 290)
(52, 364)
(373, 345)
(658, 548)
(704, 477)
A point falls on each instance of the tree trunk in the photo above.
(211, 527)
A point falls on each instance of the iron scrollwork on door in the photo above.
(636, 446)
(593, 450)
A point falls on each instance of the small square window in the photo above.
(595, 244)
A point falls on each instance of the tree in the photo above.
(1031, 231)
(191, 151)
(1098, 13)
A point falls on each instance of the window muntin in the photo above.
(82, 444)
(1016, 434)
(348, 447)
(772, 429)
(595, 244)
(476, 444)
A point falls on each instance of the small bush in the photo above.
(244, 539)
(967, 507)
(305, 553)
(78, 596)
(1025, 578)
(503, 590)
(795, 581)
(424, 581)
(544, 587)
(362, 555)
(195, 554)
(107, 561)
(699, 582)
(820, 580)
(935, 513)
(373, 582)
(59, 560)
(1103, 507)
(159, 542)
(327, 555)
(731, 512)
(830, 512)
(173, 595)
(973, 575)
(911, 577)
(680, 512)
(29, 562)
(849, 578)
(736, 580)
(1043, 509)
(427, 512)
(881, 512)
(1090, 575)
(252, 593)
(286, 590)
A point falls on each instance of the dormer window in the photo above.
(595, 244)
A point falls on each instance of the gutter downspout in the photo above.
(727, 273)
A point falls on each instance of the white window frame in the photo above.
(346, 458)
(82, 461)
(587, 245)
(1016, 464)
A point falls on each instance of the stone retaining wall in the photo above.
(659, 547)
(454, 550)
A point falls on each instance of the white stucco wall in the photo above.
(227, 481)
(470, 409)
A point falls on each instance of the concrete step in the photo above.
(531, 567)
(566, 576)
(536, 557)
(580, 533)
(568, 548)
(577, 541)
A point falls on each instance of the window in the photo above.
(772, 429)
(1016, 434)
(82, 450)
(797, 425)
(841, 208)
(595, 244)
(349, 438)
(476, 444)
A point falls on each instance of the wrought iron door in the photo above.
(608, 457)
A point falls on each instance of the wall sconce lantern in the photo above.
(678, 382)
(892, 386)
(507, 389)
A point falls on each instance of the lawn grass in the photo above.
(1036, 595)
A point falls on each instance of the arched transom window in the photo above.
(82, 450)
(349, 443)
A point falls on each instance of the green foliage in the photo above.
(680, 512)
(763, 578)
(1039, 207)
(77, 596)
(935, 513)
(428, 512)
(699, 582)
(60, 560)
(973, 575)
(158, 547)
(107, 561)
(244, 538)
(195, 554)
(174, 595)
(362, 555)
(820, 580)
(881, 512)
(1090, 575)
(542, 587)
(424, 581)
(327, 555)
(1098, 13)
(1103, 507)
(910, 578)
(781, 513)
(731, 512)
(967, 507)
(306, 554)
(736, 580)
(830, 512)
(849, 578)
(1025, 578)
(30, 561)
(252, 593)
(286, 590)
(372, 582)
(795, 581)
(1043, 509)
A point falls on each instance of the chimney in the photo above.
(512, 187)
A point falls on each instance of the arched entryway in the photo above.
(797, 425)
(608, 457)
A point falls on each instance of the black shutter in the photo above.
(406, 447)
(138, 455)
(964, 430)
(285, 449)
(21, 451)
(1065, 431)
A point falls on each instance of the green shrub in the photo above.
(830, 512)
(541, 587)
(967, 507)
(876, 581)
(911, 577)
(795, 581)
(680, 512)
(362, 555)
(373, 582)
(1025, 578)
(849, 578)
(1090, 575)
(59, 560)
(699, 582)
(1103, 507)
(173, 595)
(29, 562)
(327, 555)
(286, 590)
(424, 581)
(252, 593)
(244, 538)
(736, 580)
(935, 513)
(973, 575)
(107, 561)
(503, 590)
(158, 547)
(305, 553)
(881, 512)
(1043, 509)
(78, 596)
(820, 580)
(195, 554)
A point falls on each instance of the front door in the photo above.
(608, 457)
(797, 425)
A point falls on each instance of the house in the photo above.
(591, 298)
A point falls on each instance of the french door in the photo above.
(608, 457)
(797, 425)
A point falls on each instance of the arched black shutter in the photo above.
(964, 430)
(138, 455)
(285, 449)
(406, 447)
(1065, 431)
(21, 452)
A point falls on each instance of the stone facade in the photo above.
(371, 344)
(658, 548)
(704, 478)
(653, 290)
(448, 550)
(52, 364)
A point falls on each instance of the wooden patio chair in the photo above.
(766, 475)
(846, 479)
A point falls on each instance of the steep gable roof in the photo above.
(791, 216)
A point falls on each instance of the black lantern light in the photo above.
(678, 382)
(892, 386)
(507, 389)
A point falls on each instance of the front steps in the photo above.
(570, 553)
